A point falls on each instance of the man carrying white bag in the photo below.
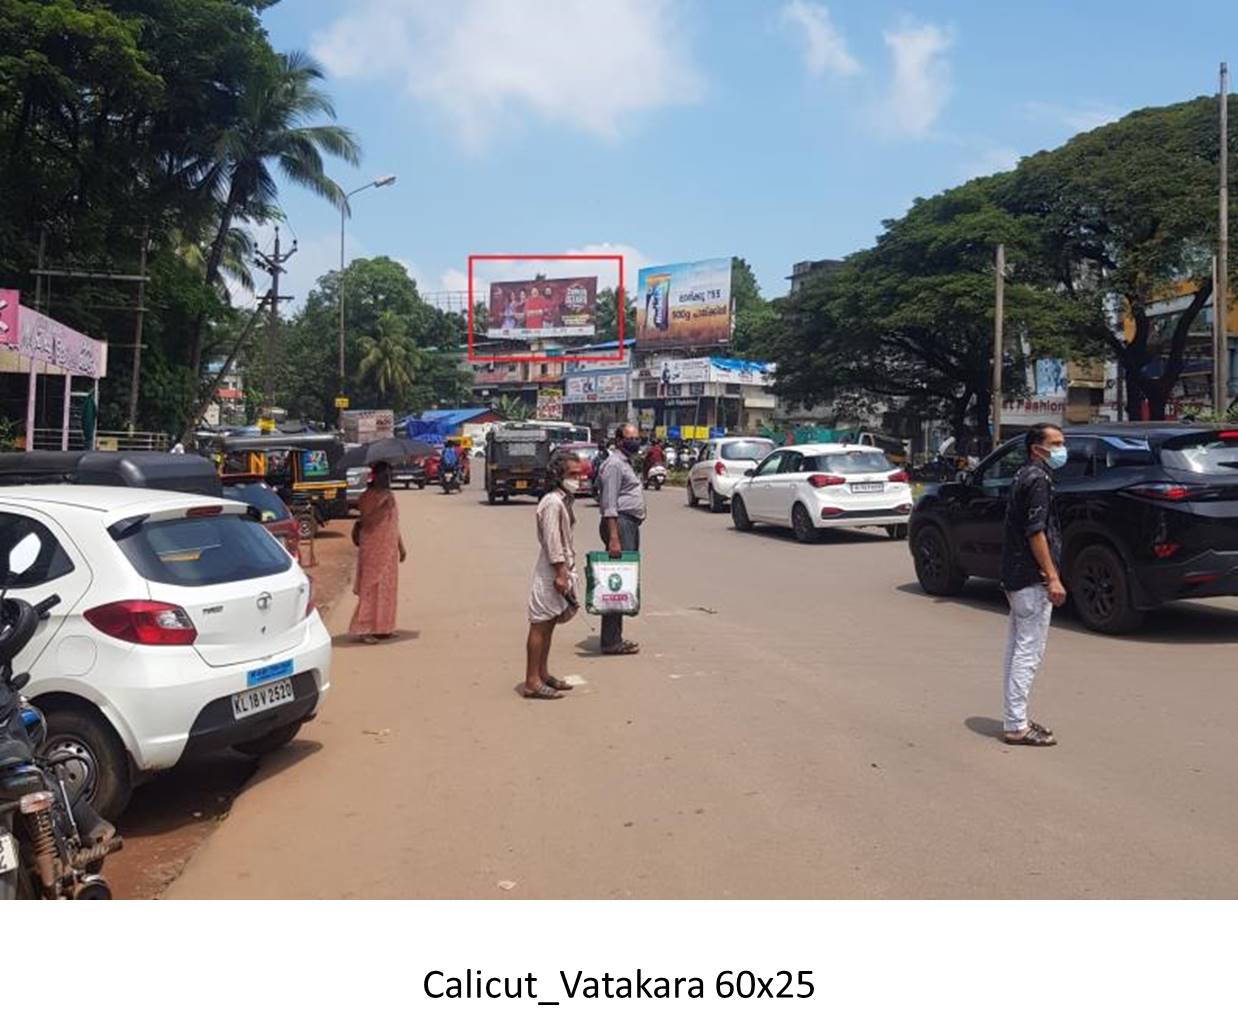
(623, 511)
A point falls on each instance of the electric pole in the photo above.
(273, 264)
(1220, 289)
(999, 320)
(135, 383)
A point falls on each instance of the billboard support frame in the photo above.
(621, 297)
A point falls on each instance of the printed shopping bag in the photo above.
(612, 586)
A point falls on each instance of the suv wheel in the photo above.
(935, 567)
(801, 524)
(78, 732)
(1101, 592)
(716, 503)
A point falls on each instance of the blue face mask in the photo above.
(1057, 457)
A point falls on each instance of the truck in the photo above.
(518, 461)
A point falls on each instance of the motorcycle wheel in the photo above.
(76, 730)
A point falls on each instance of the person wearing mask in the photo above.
(380, 551)
(552, 596)
(1031, 555)
(622, 502)
(654, 457)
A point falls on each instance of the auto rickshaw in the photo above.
(302, 468)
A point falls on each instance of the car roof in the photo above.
(109, 499)
(1153, 430)
(830, 448)
(741, 438)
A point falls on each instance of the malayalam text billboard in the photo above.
(685, 303)
(522, 309)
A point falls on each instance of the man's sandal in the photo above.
(1034, 737)
(558, 684)
(542, 692)
(623, 649)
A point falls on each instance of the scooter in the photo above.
(52, 842)
(655, 477)
(450, 480)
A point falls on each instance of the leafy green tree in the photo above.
(607, 316)
(1128, 212)
(513, 407)
(389, 360)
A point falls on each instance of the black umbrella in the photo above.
(386, 450)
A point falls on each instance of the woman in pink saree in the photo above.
(380, 551)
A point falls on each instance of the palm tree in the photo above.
(274, 127)
(513, 407)
(390, 359)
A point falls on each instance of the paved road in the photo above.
(802, 722)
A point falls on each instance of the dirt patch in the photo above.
(171, 816)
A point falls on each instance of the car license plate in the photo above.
(8, 853)
(867, 486)
(262, 698)
(522, 484)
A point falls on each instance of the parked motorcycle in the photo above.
(52, 843)
(450, 480)
(655, 477)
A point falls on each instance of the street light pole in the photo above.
(999, 322)
(1220, 286)
(382, 181)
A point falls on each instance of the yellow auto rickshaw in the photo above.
(302, 468)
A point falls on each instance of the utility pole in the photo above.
(273, 264)
(999, 320)
(1220, 288)
(137, 331)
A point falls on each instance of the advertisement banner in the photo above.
(685, 303)
(40, 337)
(522, 309)
(550, 404)
(596, 387)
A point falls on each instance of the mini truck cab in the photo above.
(517, 461)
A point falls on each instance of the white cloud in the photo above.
(485, 65)
(825, 49)
(991, 160)
(1079, 118)
(920, 83)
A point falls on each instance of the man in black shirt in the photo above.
(1031, 553)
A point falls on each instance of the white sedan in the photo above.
(183, 627)
(723, 464)
(811, 487)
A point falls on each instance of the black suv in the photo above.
(1149, 514)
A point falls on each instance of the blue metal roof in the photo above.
(451, 416)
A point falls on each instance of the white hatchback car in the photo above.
(811, 487)
(183, 627)
(723, 464)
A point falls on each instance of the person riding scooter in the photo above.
(450, 461)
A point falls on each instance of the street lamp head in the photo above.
(384, 181)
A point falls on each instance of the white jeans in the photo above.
(1030, 612)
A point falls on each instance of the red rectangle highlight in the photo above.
(610, 357)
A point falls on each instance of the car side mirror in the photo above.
(965, 477)
(750, 472)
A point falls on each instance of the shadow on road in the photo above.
(344, 641)
(836, 537)
(282, 760)
(1173, 624)
(989, 727)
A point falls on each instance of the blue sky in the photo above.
(680, 129)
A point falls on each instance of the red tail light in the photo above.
(900, 476)
(719, 468)
(825, 480)
(1171, 491)
(144, 622)
(831, 511)
(1164, 550)
(1228, 436)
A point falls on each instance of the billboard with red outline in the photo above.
(565, 356)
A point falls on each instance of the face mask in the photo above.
(571, 485)
(1057, 457)
(630, 445)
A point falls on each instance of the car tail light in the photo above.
(204, 511)
(1228, 436)
(145, 622)
(1164, 550)
(830, 511)
(900, 476)
(719, 468)
(825, 480)
(903, 508)
(1171, 491)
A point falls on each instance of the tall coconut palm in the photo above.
(389, 360)
(274, 128)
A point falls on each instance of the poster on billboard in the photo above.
(685, 303)
(550, 404)
(596, 387)
(525, 309)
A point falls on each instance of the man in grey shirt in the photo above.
(623, 510)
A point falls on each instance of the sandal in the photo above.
(1034, 737)
(558, 684)
(1040, 728)
(543, 692)
(623, 649)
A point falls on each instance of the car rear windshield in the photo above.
(853, 463)
(262, 498)
(204, 551)
(746, 450)
(1212, 453)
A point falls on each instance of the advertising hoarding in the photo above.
(550, 404)
(603, 386)
(672, 374)
(527, 309)
(684, 303)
